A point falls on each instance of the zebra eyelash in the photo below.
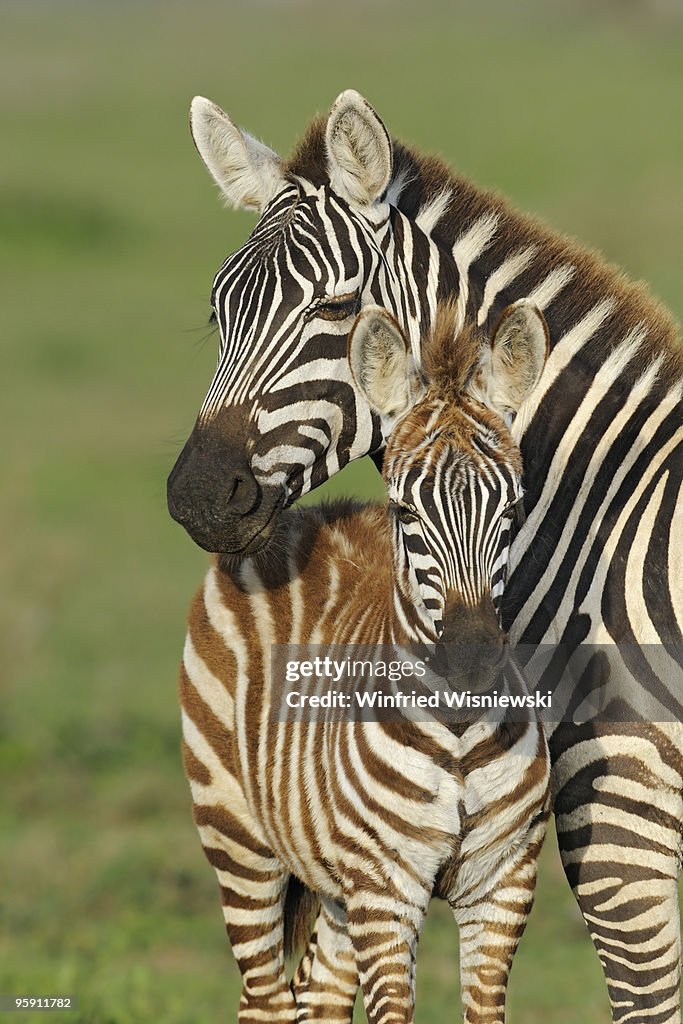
(404, 513)
(336, 307)
(208, 329)
(516, 512)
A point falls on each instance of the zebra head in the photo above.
(453, 472)
(283, 413)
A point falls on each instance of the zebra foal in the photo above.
(376, 816)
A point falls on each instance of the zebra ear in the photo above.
(379, 357)
(519, 349)
(248, 173)
(358, 150)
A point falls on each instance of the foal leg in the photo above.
(253, 886)
(384, 929)
(492, 916)
(326, 981)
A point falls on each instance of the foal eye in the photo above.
(339, 307)
(515, 511)
(404, 513)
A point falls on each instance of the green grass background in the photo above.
(110, 232)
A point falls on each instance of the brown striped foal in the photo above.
(373, 815)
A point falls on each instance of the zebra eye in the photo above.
(338, 307)
(404, 513)
(515, 511)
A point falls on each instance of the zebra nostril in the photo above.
(438, 659)
(203, 497)
(504, 653)
(243, 492)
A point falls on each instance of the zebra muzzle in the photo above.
(472, 650)
(214, 495)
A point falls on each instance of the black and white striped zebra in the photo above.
(357, 219)
(376, 814)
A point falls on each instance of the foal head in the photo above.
(453, 472)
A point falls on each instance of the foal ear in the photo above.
(519, 349)
(358, 150)
(248, 173)
(380, 362)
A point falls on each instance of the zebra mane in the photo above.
(447, 206)
(447, 366)
(309, 158)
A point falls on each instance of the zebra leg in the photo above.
(629, 900)
(618, 813)
(384, 931)
(253, 886)
(492, 915)
(326, 981)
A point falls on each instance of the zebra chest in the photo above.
(337, 799)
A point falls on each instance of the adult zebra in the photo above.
(354, 219)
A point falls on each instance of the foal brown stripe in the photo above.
(220, 818)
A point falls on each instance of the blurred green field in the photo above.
(110, 232)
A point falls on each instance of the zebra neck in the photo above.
(503, 255)
(598, 433)
(592, 309)
(422, 275)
